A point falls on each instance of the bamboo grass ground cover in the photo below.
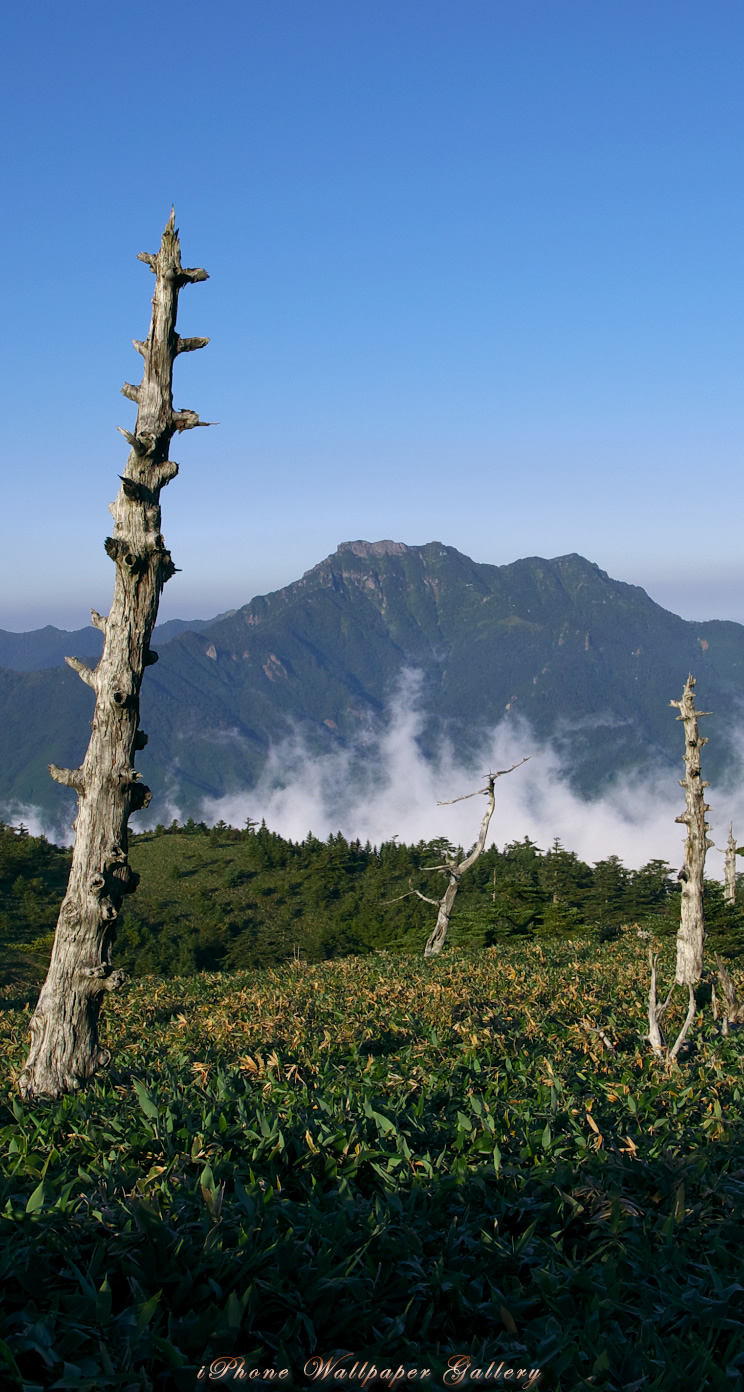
(400, 1159)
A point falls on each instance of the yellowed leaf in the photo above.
(507, 1319)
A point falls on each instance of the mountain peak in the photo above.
(374, 548)
(590, 662)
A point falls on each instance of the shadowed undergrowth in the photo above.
(398, 1159)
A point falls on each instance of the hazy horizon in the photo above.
(709, 599)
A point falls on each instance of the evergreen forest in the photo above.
(223, 899)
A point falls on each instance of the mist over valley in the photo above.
(386, 679)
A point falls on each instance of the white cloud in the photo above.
(39, 822)
(386, 788)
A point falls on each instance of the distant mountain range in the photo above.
(589, 661)
(48, 647)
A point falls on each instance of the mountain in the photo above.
(48, 647)
(589, 661)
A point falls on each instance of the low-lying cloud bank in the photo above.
(38, 822)
(392, 790)
(386, 788)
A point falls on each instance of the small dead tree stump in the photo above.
(65, 1049)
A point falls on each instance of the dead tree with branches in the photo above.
(691, 933)
(454, 867)
(65, 1048)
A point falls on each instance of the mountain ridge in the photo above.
(40, 648)
(590, 662)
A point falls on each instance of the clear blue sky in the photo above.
(476, 276)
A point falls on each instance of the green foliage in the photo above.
(389, 1156)
(560, 920)
(724, 923)
(224, 899)
(33, 878)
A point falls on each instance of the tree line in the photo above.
(222, 898)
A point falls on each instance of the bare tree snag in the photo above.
(656, 1011)
(729, 892)
(691, 934)
(455, 868)
(690, 1016)
(65, 1049)
(733, 1009)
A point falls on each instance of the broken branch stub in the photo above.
(65, 1049)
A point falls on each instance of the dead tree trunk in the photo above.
(691, 933)
(65, 1049)
(729, 892)
(455, 868)
(733, 1009)
(436, 940)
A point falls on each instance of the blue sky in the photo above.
(476, 276)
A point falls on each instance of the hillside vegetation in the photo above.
(399, 1159)
(226, 899)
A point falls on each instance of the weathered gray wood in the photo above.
(65, 1049)
(691, 934)
(690, 1016)
(656, 1011)
(733, 1009)
(729, 892)
(436, 940)
(454, 869)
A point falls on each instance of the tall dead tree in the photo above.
(729, 892)
(455, 866)
(730, 1009)
(691, 933)
(65, 1049)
